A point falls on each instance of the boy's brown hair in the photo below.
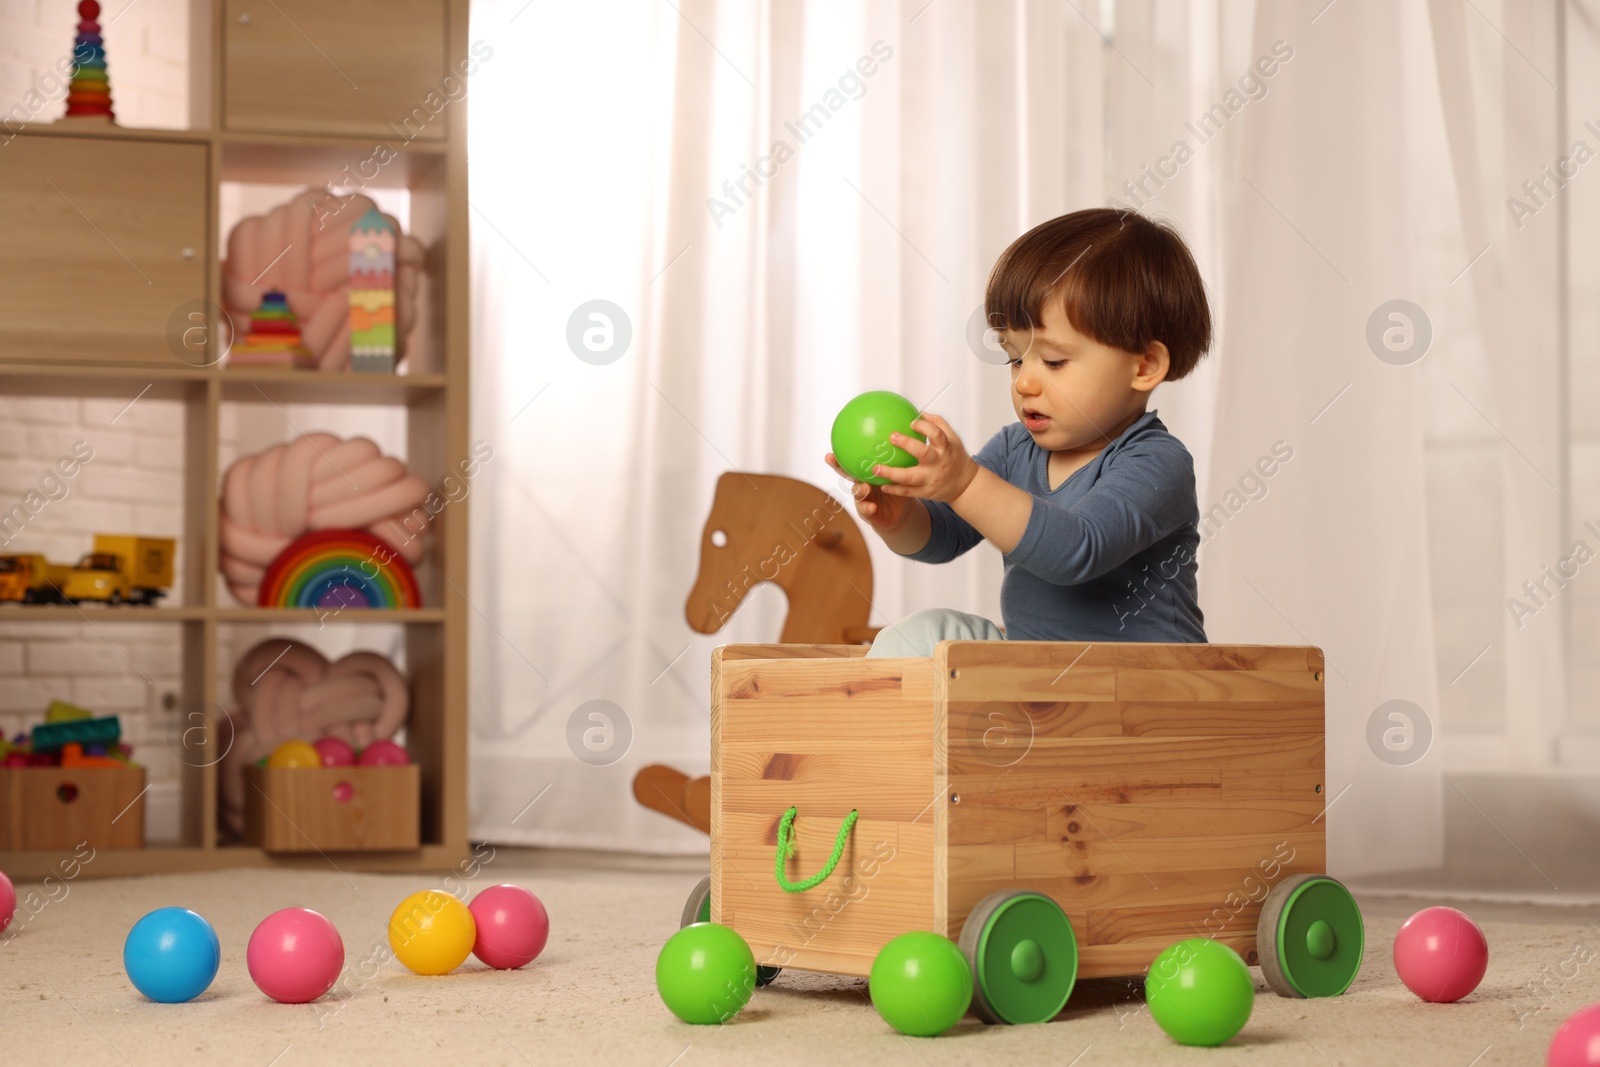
(1124, 280)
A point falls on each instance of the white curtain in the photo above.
(608, 141)
(1335, 552)
(1499, 85)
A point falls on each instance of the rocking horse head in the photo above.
(768, 528)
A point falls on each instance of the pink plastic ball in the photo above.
(1441, 954)
(335, 751)
(295, 955)
(8, 901)
(384, 754)
(1577, 1043)
(512, 926)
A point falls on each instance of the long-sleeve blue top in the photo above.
(1109, 554)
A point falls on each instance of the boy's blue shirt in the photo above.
(1109, 555)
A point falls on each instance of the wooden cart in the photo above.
(1064, 809)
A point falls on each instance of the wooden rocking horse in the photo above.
(768, 528)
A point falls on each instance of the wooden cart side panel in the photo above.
(828, 679)
(717, 655)
(941, 791)
(1194, 886)
(1193, 785)
(1161, 718)
(825, 735)
(1107, 758)
(883, 780)
(733, 652)
(1139, 655)
(1090, 683)
(1164, 807)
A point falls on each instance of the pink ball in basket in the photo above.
(8, 901)
(1441, 954)
(335, 751)
(512, 926)
(295, 955)
(384, 754)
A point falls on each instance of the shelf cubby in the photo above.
(86, 325)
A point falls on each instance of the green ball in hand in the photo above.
(1199, 992)
(705, 973)
(921, 983)
(861, 434)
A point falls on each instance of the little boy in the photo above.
(1089, 499)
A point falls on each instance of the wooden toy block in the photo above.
(102, 731)
(72, 756)
(61, 711)
(1156, 792)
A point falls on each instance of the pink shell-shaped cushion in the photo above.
(303, 249)
(315, 482)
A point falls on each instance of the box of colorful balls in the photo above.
(327, 796)
(70, 780)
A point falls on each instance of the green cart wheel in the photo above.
(697, 909)
(1024, 957)
(1310, 937)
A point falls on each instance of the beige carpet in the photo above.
(591, 997)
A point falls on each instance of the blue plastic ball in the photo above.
(172, 955)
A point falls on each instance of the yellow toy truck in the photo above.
(1065, 810)
(30, 579)
(122, 568)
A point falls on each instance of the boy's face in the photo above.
(1072, 392)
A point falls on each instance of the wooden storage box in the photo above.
(63, 807)
(333, 809)
(1155, 791)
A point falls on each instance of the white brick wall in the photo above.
(133, 484)
(147, 44)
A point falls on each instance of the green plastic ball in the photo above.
(1199, 992)
(921, 984)
(861, 434)
(705, 973)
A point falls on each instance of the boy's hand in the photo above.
(943, 470)
(882, 513)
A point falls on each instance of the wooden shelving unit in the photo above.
(75, 321)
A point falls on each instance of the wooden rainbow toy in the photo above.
(339, 569)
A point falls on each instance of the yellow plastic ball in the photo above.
(432, 932)
(295, 754)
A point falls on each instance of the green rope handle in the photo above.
(786, 849)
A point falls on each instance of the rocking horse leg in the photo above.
(666, 790)
(697, 803)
